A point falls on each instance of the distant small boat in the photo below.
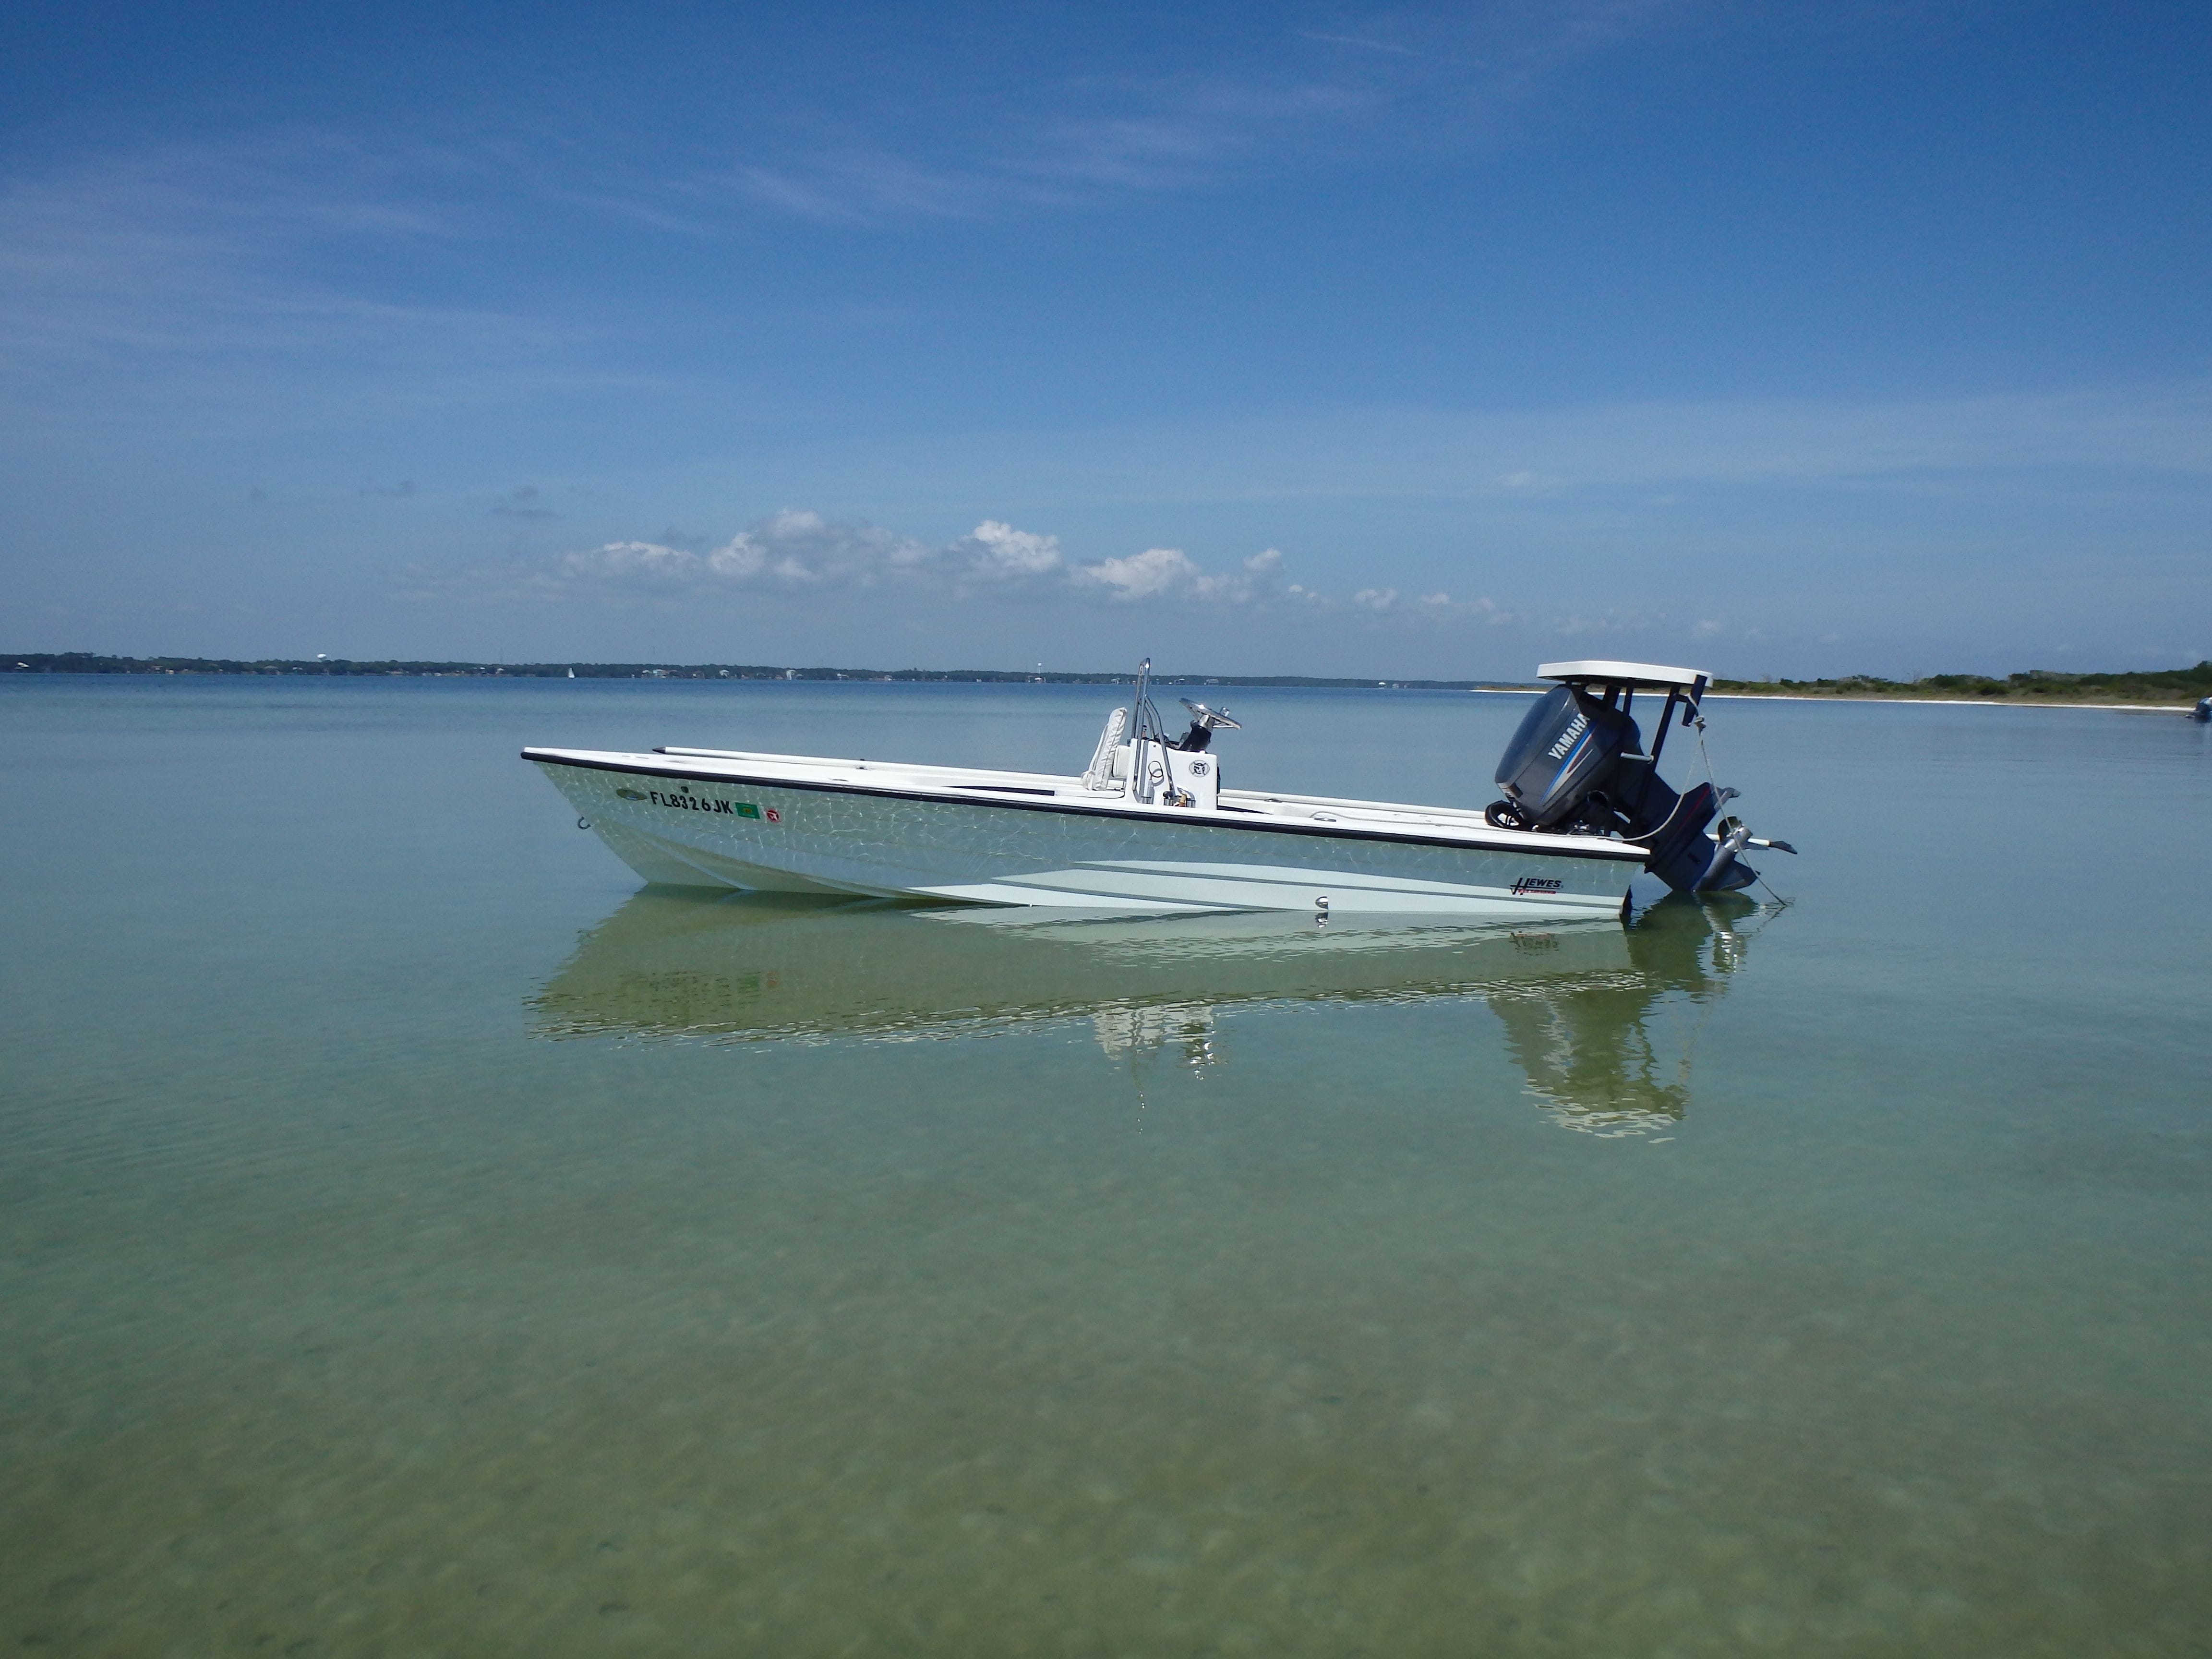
(2204, 709)
(1148, 828)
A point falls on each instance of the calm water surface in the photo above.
(414, 1239)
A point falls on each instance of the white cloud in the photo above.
(1434, 610)
(793, 550)
(1613, 619)
(1000, 552)
(1141, 575)
(1252, 584)
(625, 559)
(1168, 571)
(797, 550)
(786, 565)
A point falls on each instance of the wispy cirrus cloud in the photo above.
(233, 277)
(1292, 100)
(1524, 466)
(1141, 138)
(265, 243)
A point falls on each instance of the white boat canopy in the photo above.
(1638, 674)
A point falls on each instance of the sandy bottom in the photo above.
(977, 1347)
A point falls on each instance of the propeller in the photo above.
(1213, 719)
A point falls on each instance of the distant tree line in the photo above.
(2036, 685)
(2039, 684)
(87, 662)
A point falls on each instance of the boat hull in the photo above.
(693, 830)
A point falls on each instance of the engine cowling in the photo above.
(1568, 746)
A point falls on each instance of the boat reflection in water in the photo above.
(1600, 1016)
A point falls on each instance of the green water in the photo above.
(417, 1241)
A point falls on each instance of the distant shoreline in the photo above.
(85, 662)
(2157, 691)
(2038, 688)
(1964, 702)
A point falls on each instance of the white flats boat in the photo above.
(1148, 827)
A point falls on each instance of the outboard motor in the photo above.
(1568, 746)
(1577, 766)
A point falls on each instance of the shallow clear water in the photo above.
(419, 1241)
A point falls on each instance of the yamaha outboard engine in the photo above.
(1577, 766)
(1568, 746)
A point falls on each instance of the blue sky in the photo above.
(1301, 339)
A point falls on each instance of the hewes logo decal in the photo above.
(689, 802)
(1535, 885)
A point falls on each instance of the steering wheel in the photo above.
(1213, 719)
